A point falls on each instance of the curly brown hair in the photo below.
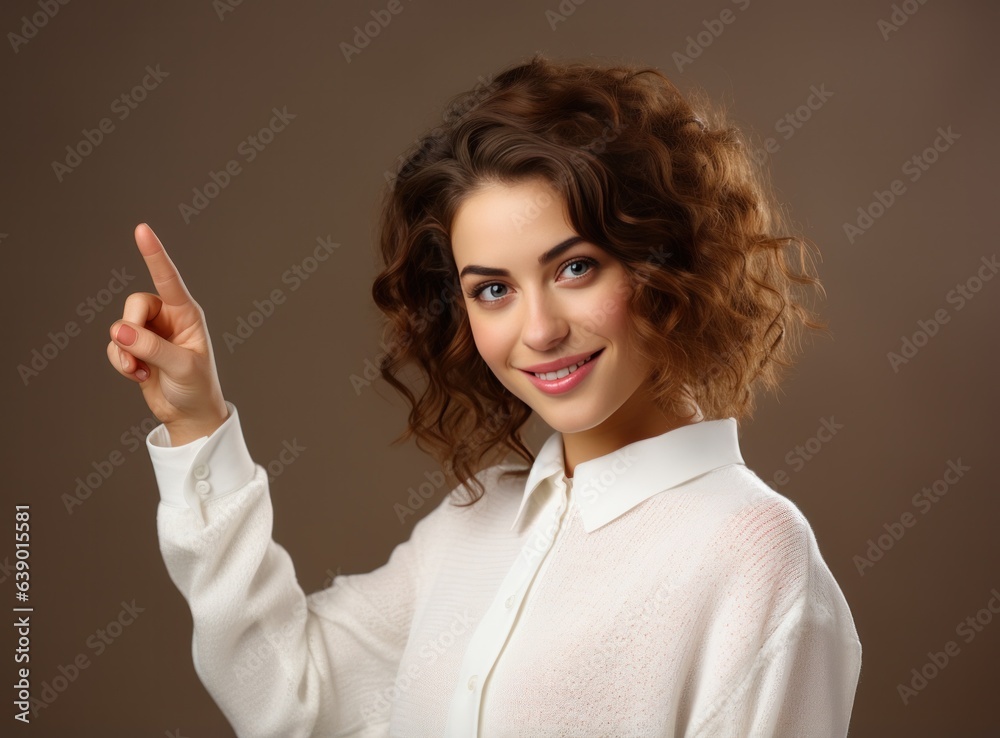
(666, 184)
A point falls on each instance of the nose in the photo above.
(545, 324)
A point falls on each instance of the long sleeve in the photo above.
(785, 657)
(277, 663)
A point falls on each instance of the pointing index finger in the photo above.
(166, 279)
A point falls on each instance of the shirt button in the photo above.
(510, 602)
(472, 682)
(203, 488)
(201, 471)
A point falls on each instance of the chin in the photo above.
(571, 420)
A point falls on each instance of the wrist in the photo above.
(190, 429)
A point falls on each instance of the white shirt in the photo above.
(664, 590)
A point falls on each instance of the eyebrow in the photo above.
(550, 255)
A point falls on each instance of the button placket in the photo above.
(556, 525)
(499, 622)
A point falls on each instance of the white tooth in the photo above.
(549, 376)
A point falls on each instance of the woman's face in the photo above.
(529, 313)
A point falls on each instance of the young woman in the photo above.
(582, 242)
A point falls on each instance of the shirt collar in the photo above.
(609, 486)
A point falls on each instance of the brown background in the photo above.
(62, 241)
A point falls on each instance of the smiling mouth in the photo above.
(565, 371)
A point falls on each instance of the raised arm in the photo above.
(276, 662)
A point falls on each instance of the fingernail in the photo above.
(121, 360)
(142, 374)
(125, 335)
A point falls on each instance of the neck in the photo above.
(633, 421)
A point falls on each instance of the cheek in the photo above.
(607, 316)
(494, 346)
(489, 342)
(617, 301)
(618, 324)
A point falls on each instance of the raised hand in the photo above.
(162, 343)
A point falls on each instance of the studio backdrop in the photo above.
(255, 138)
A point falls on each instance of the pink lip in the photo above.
(565, 384)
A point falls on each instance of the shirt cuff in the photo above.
(203, 469)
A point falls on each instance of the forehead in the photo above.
(505, 222)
